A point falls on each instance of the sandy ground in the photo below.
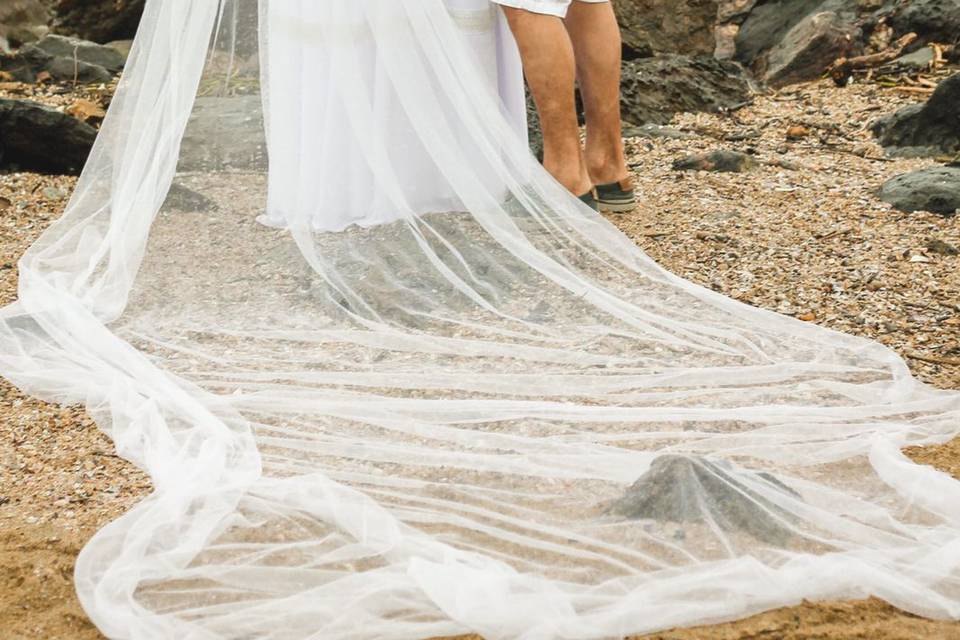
(802, 234)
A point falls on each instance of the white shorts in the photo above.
(546, 7)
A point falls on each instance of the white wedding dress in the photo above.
(446, 397)
(315, 133)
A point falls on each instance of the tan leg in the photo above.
(550, 69)
(595, 36)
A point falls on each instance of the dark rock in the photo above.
(719, 160)
(654, 89)
(98, 20)
(809, 48)
(82, 50)
(926, 129)
(767, 24)
(936, 189)
(666, 26)
(38, 138)
(682, 489)
(933, 20)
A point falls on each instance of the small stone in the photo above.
(720, 160)
(942, 247)
(797, 132)
(53, 193)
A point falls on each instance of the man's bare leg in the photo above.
(595, 36)
(550, 69)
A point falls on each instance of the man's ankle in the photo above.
(607, 170)
(571, 175)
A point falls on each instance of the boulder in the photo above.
(98, 20)
(932, 128)
(82, 50)
(808, 48)
(936, 189)
(654, 89)
(766, 25)
(933, 20)
(666, 26)
(38, 138)
(28, 63)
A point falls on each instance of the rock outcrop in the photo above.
(932, 20)
(661, 26)
(64, 59)
(932, 128)
(654, 89)
(37, 138)
(98, 20)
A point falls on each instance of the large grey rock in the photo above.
(81, 50)
(932, 128)
(27, 64)
(936, 190)
(685, 489)
(654, 89)
(766, 25)
(38, 138)
(809, 47)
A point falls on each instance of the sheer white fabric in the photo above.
(312, 132)
(497, 417)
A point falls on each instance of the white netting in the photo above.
(429, 392)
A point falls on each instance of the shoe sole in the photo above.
(618, 206)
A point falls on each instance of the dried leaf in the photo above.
(86, 110)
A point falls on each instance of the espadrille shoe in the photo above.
(616, 197)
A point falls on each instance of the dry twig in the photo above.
(843, 68)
